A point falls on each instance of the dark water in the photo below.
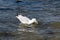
(47, 13)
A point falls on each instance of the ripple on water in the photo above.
(45, 12)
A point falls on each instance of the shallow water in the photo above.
(46, 12)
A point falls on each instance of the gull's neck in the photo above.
(31, 21)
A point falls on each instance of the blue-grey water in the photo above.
(47, 13)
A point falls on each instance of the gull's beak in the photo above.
(36, 22)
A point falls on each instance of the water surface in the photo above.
(46, 12)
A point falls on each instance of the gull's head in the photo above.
(35, 21)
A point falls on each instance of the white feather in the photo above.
(26, 20)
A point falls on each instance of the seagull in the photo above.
(26, 20)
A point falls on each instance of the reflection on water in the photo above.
(27, 28)
(46, 12)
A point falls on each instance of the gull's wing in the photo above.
(23, 19)
(26, 18)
